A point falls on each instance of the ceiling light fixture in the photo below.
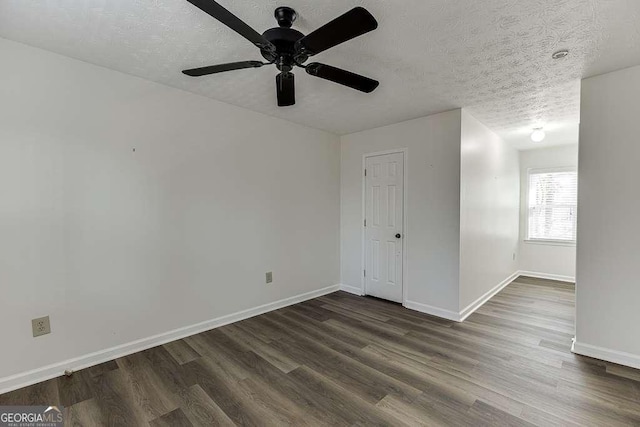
(560, 54)
(538, 135)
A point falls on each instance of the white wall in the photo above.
(432, 230)
(116, 245)
(489, 210)
(608, 283)
(545, 259)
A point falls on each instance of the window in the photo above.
(552, 205)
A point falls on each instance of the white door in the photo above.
(384, 179)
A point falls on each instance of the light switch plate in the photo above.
(269, 277)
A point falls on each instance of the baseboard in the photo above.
(548, 276)
(24, 379)
(351, 290)
(434, 311)
(608, 355)
(468, 310)
(461, 316)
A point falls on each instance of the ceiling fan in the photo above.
(287, 48)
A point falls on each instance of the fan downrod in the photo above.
(285, 16)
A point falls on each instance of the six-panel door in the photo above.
(384, 226)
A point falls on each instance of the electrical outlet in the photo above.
(514, 256)
(269, 277)
(41, 326)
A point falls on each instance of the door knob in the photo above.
(398, 236)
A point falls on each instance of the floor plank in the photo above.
(181, 351)
(175, 418)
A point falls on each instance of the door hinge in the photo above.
(365, 222)
(365, 172)
(365, 273)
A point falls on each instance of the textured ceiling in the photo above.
(491, 56)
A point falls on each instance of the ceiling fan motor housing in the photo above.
(284, 38)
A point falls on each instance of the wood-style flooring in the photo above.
(347, 360)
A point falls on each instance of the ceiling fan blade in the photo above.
(354, 23)
(212, 69)
(285, 87)
(343, 77)
(233, 22)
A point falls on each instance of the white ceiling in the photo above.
(491, 56)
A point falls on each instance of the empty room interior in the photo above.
(319, 213)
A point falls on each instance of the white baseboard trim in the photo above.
(608, 355)
(461, 316)
(351, 289)
(548, 276)
(468, 310)
(34, 376)
(434, 311)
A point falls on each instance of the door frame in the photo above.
(405, 224)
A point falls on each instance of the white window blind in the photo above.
(553, 205)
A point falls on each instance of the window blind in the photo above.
(553, 205)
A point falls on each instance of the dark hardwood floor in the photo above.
(347, 360)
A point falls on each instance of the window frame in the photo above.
(554, 242)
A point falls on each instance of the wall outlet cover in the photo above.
(41, 326)
(269, 277)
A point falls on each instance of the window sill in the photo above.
(552, 242)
